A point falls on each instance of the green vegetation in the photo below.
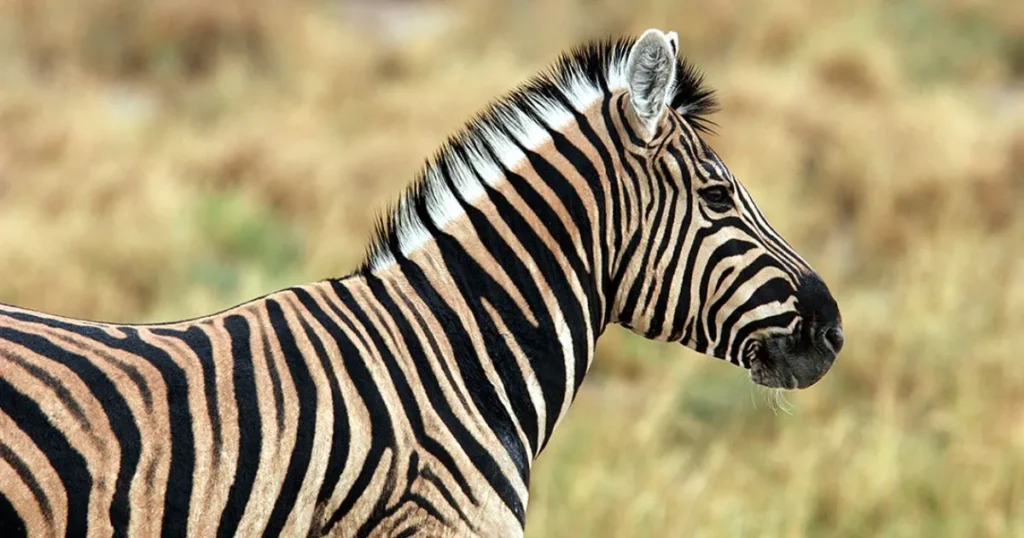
(168, 158)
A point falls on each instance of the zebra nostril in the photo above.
(834, 339)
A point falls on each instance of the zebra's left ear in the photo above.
(651, 75)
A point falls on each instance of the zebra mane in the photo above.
(494, 139)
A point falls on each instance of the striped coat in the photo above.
(412, 396)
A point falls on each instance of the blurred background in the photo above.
(164, 159)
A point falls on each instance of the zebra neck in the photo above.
(504, 306)
(503, 274)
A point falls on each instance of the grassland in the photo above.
(164, 159)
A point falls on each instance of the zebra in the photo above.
(412, 396)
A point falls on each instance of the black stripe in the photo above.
(792, 263)
(431, 386)
(687, 252)
(634, 139)
(485, 398)
(118, 413)
(567, 194)
(476, 286)
(595, 182)
(720, 256)
(628, 254)
(435, 348)
(779, 320)
(129, 370)
(702, 337)
(721, 279)
(54, 384)
(382, 434)
(570, 305)
(673, 239)
(620, 151)
(250, 434)
(632, 301)
(306, 398)
(688, 331)
(397, 522)
(23, 471)
(275, 382)
(199, 342)
(340, 434)
(669, 197)
(66, 461)
(615, 198)
(379, 510)
(178, 496)
(731, 247)
(441, 488)
(751, 270)
(405, 392)
(408, 531)
(10, 521)
(412, 473)
(728, 249)
(534, 340)
(777, 289)
(179, 480)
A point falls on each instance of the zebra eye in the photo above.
(715, 196)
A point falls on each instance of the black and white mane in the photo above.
(493, 140)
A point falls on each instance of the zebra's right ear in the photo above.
(651, 75)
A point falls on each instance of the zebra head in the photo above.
(709, 271)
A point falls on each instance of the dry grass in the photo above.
(163, 159)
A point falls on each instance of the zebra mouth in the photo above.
(788, 362)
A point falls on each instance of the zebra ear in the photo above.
(651, 75)
(673, 41)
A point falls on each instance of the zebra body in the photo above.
(411, 397)
(281, 416)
